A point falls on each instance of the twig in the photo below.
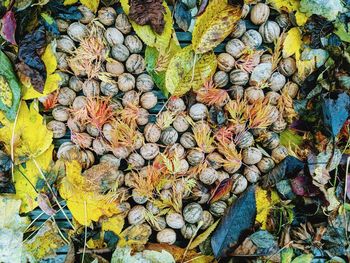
(94, 251)
(85, 233)
(191, 240)
(12, 143)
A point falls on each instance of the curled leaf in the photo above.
(8, 28)
(221, 190)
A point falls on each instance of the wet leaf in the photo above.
(265, 201)
(327, 9)
(189, 71)
(50, 24)
(91, 4)
(335, 109)
(182, 15)
(123, 255)
(305, 258)
(214, 25)
(10, 90)
(287, 255)
(266, 243)
(45, 205)
(239, 218)
(292, 43)
(289, 137)
(8, 27)
(134, 235)
(288, 168)
(202, 237)
(302, 186)
(223, 188)
(114, 223)
(317, 27)
(59, 10)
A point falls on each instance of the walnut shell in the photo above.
(114, 67)
(208, 176)
(283, 21)
(239, 77)
(237, 92)
(279, 153)
(65, 44)
(152, 132)
(136, 215)
(144, 83)
(253, 94)
(75, 84)
(133, 43)
(109, 89)
(112, 160)
(79, 102)
(58, 129)
(192, 213)
(62, 62)
(273, 97)
(120, 52)
(240, 183)
(187, 140)
(142, 117)
(251, 155)
(221, 79)
(107, 16)
(291, 88)
(235, 48)
(113, 37)
(259, 13)
(99, 146)
(77, 31)
(91, 88)
(152, 208)
(270, 31)
(136, 161)
(218, 208)
(175, 220)
(270, 140)
(279, 125)
(287, 66)
(265, 165)
(60, 113)
(169, 136)
(149, 151)
(188, 230)
(126, 82)
(122, 23)
(66, 96)
(277, 81)
(135, 64)
(245, 140)
(88, 15)
(180, 123)
(252, 173)
(195, 157)
(198, 111)
(167, 236)
(252, 38)
(239, 29)
(213, 159)
(139, 199)
(226, 62)
(260, 74)
(62, 25)
(148, 100)
(176, 105)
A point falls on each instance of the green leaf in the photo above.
(305, 258)
(290, 138)
(287, 255)
(188, 70)
(202, 237)
(325, 8)
(214, 25)
(341, 31)
(10, 89)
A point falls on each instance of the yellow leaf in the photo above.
(44, 244)
(52, 80)
(305, 68)
(9, 216)
(285, 5)
(5, 92)
(31, 137)
(70, 2)
(26, 177)
(301, 18)
(265, 200)
(202, 237)
(91, 4)
(161, 42)
(134, 235)
(85, 204)
(292, 43)
(115, 224)
(180, 76)
(214, 25)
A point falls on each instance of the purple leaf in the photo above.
(9, 27)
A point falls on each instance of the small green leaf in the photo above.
(287, 255)
(305, 258)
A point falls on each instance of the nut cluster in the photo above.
(175, 163)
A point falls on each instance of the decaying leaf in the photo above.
(24, 136)
(214, 25)
(86, 205)
(202, 237)
(8, 28)
(265, 200)
(44, 244)
(52, 80)
(114, 223)
(223, 188)
(10, 90)
(182, 15)
(151, 38)
(327, 9)
(290, 6)
(123, 255)
(135, 235)
(239, 218)
(188, 70)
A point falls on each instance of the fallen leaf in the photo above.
(44, 244)
(202, 237)
(223, 188)
(122, 254)
(182, 16)
(53, 79)
(8, 29)
(287, 255)
(152, 39)
(50, 23)
(304, 258)
(114, 223)
(29, 127)
(135, 235)
(327, 9)
(91, 4)
(265, 200)
(85, 204)
(238, 219)
(292, 43)
(214, 25)
(187, 70)
(45, 204)
(10, 90)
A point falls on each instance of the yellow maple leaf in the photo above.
(26, 177)
(52, 79)
(265, 200)
(114, 223)
(290, 6)
(85, 205)
(29, 138)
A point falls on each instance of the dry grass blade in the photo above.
(259, 114)
(203, 136)
(237, 111)
(209, 94)
(165, 119)
(130, 114)
(277, 52)
(285, 106)
(232, 159)
(124, 135)
(249, 60)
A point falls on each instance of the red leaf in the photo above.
(9, 27)
(221, 189)
(302, 186)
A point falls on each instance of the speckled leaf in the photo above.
(238, 218)
(8, 28)
(214, 25)
(10, 90)
(181, 76)
(161, 42)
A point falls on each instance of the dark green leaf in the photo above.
(239, 218)
(263, 239)
(6, 71)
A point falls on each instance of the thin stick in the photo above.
(52, 192)
(191, 240)
(59, 231)
(12, 143)
(85, 233)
